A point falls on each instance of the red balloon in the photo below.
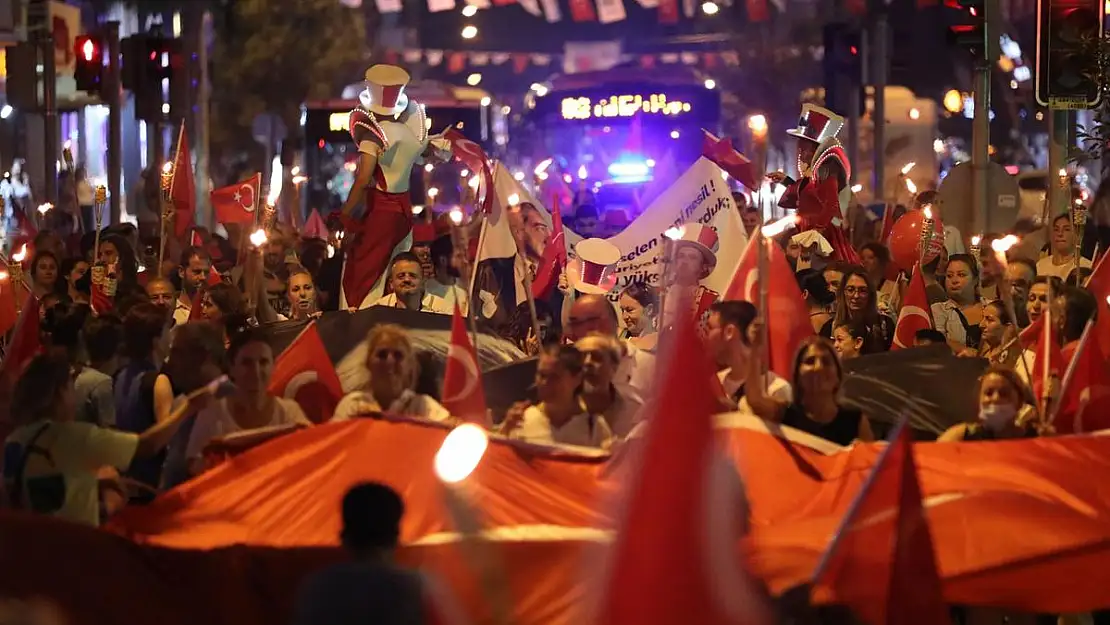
(905, 240)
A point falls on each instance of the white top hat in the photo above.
(704, 239)
(593, 273)
(817, 124)
(385, 90)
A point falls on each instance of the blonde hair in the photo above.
(391, 332)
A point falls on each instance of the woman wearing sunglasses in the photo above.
(391, 364)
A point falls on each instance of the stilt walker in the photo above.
(391, 133)
(823, 194)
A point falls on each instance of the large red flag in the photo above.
(915, 313)
(881, 562)
(1084, 404)
(183, 188)
(1099, 286)
(237, 203)
(463, 395)
(304, 373)
(554, 257)
(787, 319)
(674, 558)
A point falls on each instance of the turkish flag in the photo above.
(463, 395)
(1084, 404)
(237, 203)
(474, 157)
(24, 343)
(183, 188)
(304, 373)
(787, 319)
(915, 313)
(674, 558)
(554, 257)
(8, 313)
(881, 562)
(99, 301)
(721, 152)
(1048, 359)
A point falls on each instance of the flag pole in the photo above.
(1069, 373)
(843, 527)
(476, 302)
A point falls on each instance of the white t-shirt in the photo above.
(636, 371)
(409, 404)
(582, 430)
(71, 454)
(1045, 267)
(777, 388)
(450, 294)
(216, 421)
(430, 304)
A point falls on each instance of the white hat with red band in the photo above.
(704, 239)
(817, 124)
(385, 90)
(593, 273)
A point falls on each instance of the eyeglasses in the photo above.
(856, 290)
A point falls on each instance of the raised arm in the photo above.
(755, 388)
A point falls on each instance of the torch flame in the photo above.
(460, 453)
(1004, 244)
(456, 215)
(259, 238)
(675, 233)
(908, 167)
(45, 208)
(433, 192)
(910, 186)
(776, 228)
(167, 167)
(473, 184)
(928, 213)
(417, 209)
(514, 199)
(541, 169)
(21, 255)
(975, 240)
(3, 275)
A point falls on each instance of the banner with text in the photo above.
(700, 195)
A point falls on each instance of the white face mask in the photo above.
(997, 416)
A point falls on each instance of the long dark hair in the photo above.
(819, 342)
(37, 390)
(870, 314)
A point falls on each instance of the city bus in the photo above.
(330, 154)
(607, 131)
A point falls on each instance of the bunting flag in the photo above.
(668, 11)
(551, 11)
(183, 188)
(610, 11)
(437, 6)
(315, 228)
(582, 11)
(758, 11)
(459, 61)
(462, 393)
(388, 6)
(237, 203)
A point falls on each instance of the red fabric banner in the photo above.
(583, 11)
(668, 11)
(758, 11)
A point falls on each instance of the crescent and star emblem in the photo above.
(910, 311)
(297, 382)
(461, 356)
(244, 195)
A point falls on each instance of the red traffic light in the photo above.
(87, 48)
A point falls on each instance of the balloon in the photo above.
(905, 240)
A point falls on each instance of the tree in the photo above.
(273, 55)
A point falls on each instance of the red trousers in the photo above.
(369, 241)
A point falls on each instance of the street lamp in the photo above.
(469, 31)
(473, 79)
(710, 83)
(469, 10)
(710, 8)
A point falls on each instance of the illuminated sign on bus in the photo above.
(622, 106)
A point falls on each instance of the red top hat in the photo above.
(702, 238)
(385, 90)
(817, 124)
(593, 273)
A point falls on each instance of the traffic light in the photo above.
(89, 69)
(843, 68)
(1069, 34)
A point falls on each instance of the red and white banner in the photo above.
(609, 11)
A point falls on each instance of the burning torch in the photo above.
(975, 249)
(927, 231)
(167, 209)
(1079, 213)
